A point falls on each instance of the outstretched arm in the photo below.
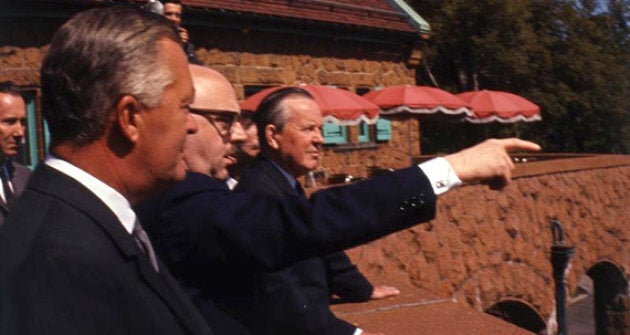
(489, 162)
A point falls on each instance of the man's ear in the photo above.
(270, 136)
(128, 117)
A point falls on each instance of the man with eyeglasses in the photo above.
(207, 154)
(215, 241)
(210, 151)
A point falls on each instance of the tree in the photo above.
(570, 57)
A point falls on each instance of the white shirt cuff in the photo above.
(440, 174)
(358, 331)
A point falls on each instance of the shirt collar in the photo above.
(292, 181)
(231, 183)
(115, 201)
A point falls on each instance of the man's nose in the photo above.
(237, 133)
(319, 137)
(19, 130)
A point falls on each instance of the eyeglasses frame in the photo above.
(212, 114)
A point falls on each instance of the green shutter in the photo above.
(29, 154)
(334, 134)
(383, 129)
(46, 137)
(31, 140)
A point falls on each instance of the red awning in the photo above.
(338, 106)
(504, 107)
(417, 100)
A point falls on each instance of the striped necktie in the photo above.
(142, 239)
(9, 197)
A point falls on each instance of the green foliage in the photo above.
(572, 58)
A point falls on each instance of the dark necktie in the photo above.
(6, 187)
(142, 239)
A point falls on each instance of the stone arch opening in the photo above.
(611, 300)
(519, 313)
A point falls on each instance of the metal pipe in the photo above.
(560, 256)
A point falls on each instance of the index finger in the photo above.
(514, 144)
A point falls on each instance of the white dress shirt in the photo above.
(109, 196)
(440, 174)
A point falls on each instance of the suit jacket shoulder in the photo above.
(62, 245)
(21, 175)
(264, 177)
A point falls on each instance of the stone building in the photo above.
(356, 45)
(486, 251)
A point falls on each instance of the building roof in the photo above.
(373, 14)
(383, 21)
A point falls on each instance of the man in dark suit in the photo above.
(296, 299)
(12, 127)
(73, 257)
(214, 240)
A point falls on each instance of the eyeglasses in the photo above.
(221, 120)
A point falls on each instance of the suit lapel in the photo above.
(275, 181)
(48, 180)
(20, 177)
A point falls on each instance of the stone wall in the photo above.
(485, 246)
(259, 58)
(22, 48)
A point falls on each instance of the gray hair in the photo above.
(271, 110)
(97, 57)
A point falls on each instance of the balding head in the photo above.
(210, 150)
(212, 90)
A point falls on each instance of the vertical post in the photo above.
(560, 256)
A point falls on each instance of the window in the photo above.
(364, 132)
(334, 134)
(383, 130)
(362, 90)
(36, 137)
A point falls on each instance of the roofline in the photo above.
(414, 18)
(198, 16)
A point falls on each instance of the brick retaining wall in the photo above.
(486, 246)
